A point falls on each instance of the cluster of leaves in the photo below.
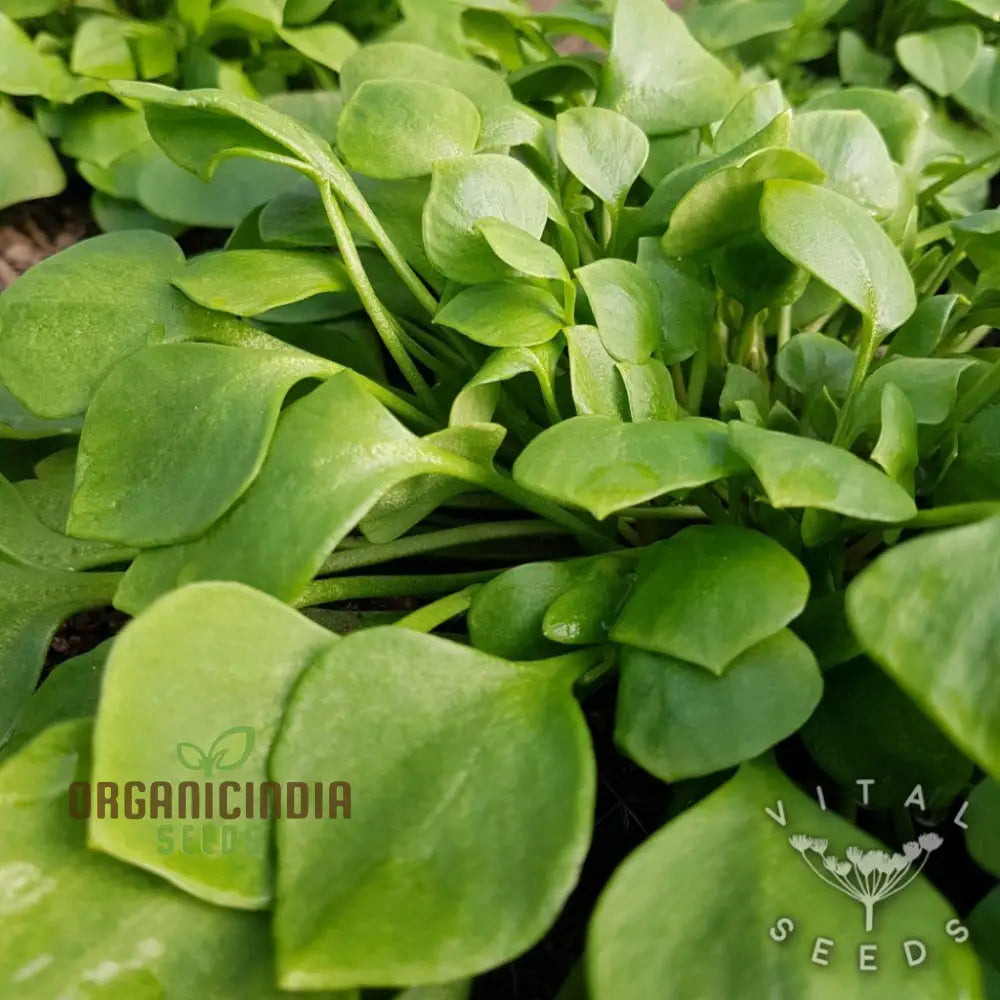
(633, 381)
(57, 60)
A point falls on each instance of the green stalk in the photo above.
(697, 380)
(866, 354)
(784, 327)
(429, 617)
(680, 512)
(357, 588)
(954, 176)
(575, 666)
(747, 337)
(956, 514)
(433, 541)
(384, 322)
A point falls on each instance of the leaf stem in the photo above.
(433, 541)
(696, 381)
(384, 322)
(866, 354)
(679, 512)
(356, 588)
(429, 617)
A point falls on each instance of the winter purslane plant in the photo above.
(627, 379)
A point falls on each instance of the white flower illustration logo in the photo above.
(869, 877)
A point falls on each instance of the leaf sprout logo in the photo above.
(868, 877)
(229, 750)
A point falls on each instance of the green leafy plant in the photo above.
(643, 389)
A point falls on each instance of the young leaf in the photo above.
(678, 721)
(522, 251)
(835, 240)
(250, 282)
(510, 880)
(29, 168)
(942, 59)
(801, 472)
(626, 306)
(602, 465)
(477, 401)
(505, 314)
(859, 64)
(330, 45)
(465, 191)
(812, 362)
(686, 603)
(254, 649)
(650, 390)
(174, 437)
(853, 155)
(603, 150)
(726, 203)
(897, 448)
(750, 114)
(644, 943)
(927, 611)
(395, 129)
(595, 380)
(658, 76)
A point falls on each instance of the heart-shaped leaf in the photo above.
(942, 59)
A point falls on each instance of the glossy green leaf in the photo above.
(678, 721)
(477, 401)
(650, 390)
(687, 301)
(404, 61)
(929, 384)
(521, 251)
(749, 115)
(942, 59)
(837, 242)
(584, 613)
(362, 923)
(726, 203)
(100, 300)
(658, 75)
(505, 314)
(602, 465)
(25, 71)
(975, 473)
(139, 941)
(603, 150)
(801, 472)
(33, 603)
(333, 454)
(722, 25)
(866, 729)
(158, 720)
(395, 129)
(687, 601)
(330, 45)
(595, 381)
(897, 450)
(645, 942)
(626, 306)
(465, 191)
(920, 335)
(853, 154)
(175, 435)
(859, 64)
(29, 168)
(812, 362)
(249, 282)
(928, 613)
(507, 615)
